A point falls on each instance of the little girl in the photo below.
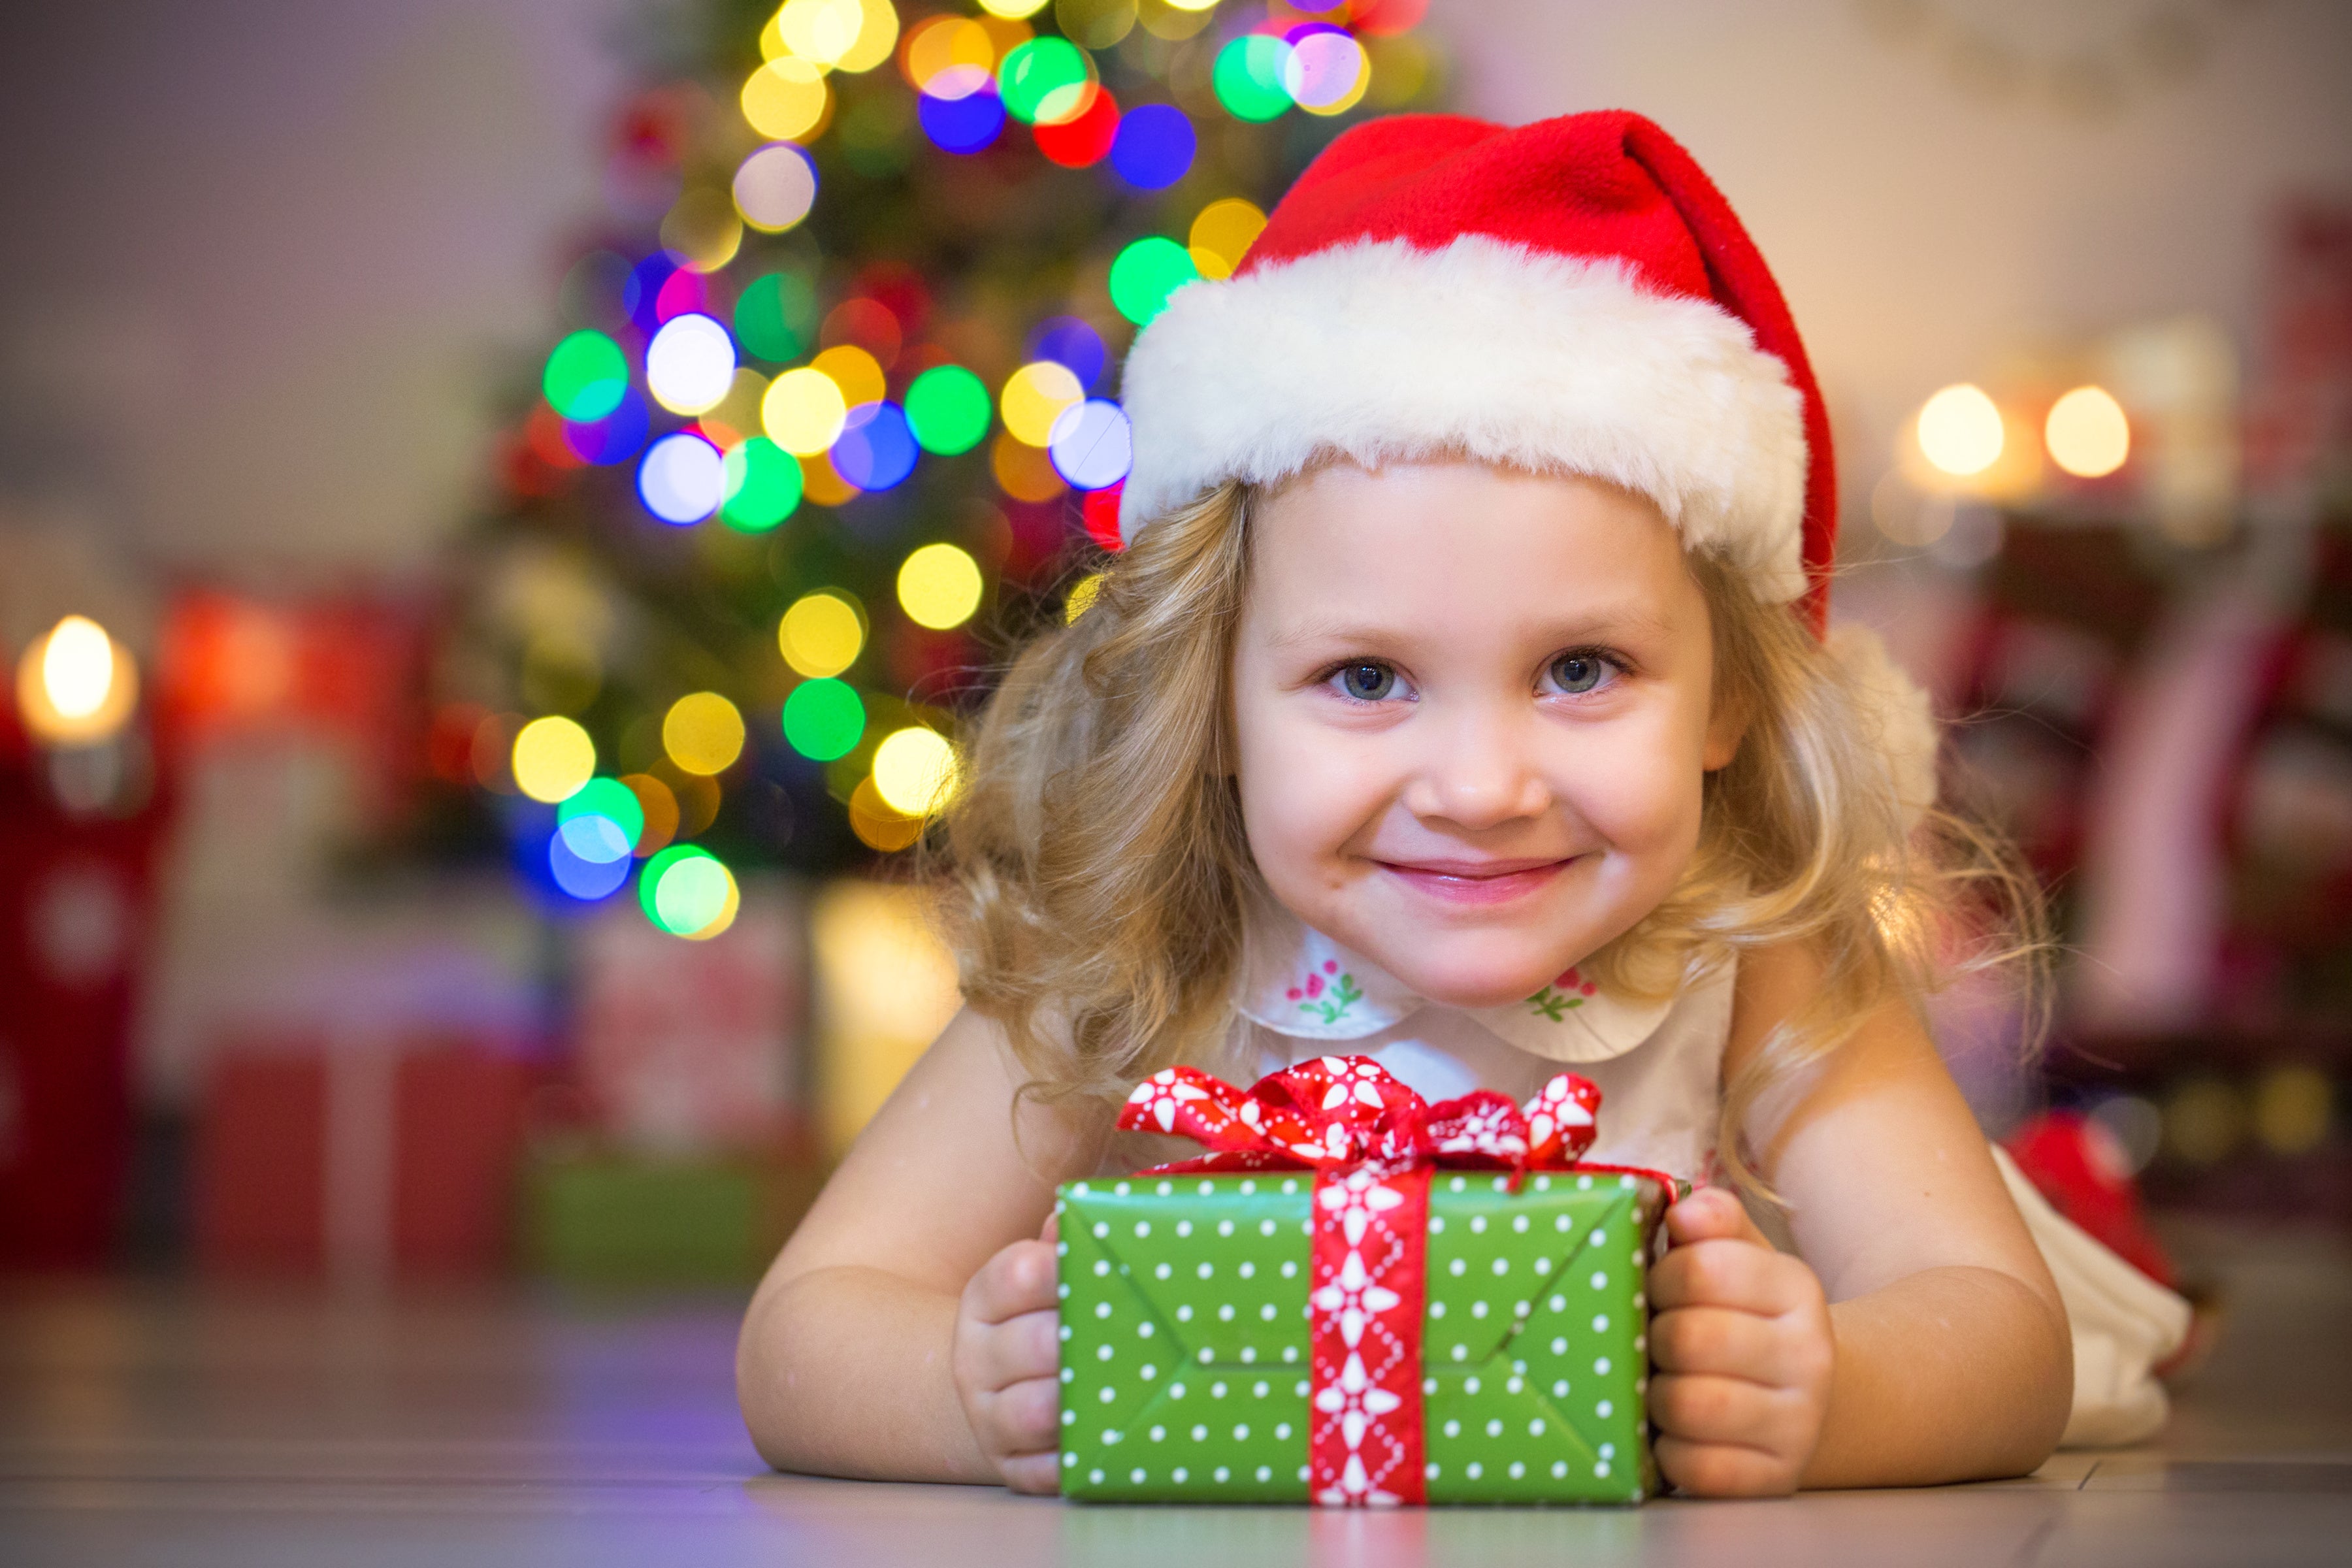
(1461, 696)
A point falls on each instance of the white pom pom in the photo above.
(1891, 702)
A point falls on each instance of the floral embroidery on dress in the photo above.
(1568, 989)
(1327, 998)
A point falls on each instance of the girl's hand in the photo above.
(1742, 1342)
(1007, 1364)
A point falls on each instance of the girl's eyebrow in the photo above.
(1607, 623)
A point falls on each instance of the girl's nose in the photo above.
(1479, 772)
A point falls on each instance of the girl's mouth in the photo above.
(1477, 883)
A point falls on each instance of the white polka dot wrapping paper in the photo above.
(1186, 1361)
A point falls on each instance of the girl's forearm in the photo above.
(845, 1371)
(1949, 1375)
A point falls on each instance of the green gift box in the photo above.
(1186, 1356)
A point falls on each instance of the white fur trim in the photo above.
(1903, 718)
(1379, 352)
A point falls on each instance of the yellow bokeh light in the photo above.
(822, 483)
(1222, 235)
(945, 44)
(76, 685)
(727, 910)
(820, 31)
(703, 733)
(855, 372)
(735, 417)
(1034, 396)
(878, 825)
(2087, 433)
(1082, 596)
(878, 35)
(787, 99)
(1025, 472)
(1013, 10)
(1959, 430)
(703, 228)
(552, 759)
(821, 634)
(804, 411)
(1192, 4)
(939, 586)
(915, 771)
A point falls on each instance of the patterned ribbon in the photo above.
(1372, 1144)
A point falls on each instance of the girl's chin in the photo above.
(1469, 986)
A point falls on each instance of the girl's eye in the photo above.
(1367, 683)
(1576, 673)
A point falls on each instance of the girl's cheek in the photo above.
(1639, 789)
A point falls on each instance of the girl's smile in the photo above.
(1484, 883)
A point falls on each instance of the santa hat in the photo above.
(1573, 296)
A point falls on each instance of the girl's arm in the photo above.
(1943, 1354)
(913, 1312)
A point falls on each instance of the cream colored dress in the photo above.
(1659, 1067)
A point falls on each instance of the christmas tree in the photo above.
(833, 421)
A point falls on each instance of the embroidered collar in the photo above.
(1298, 981)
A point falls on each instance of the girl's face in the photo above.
(1472, 714)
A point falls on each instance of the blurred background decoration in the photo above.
(499, 530)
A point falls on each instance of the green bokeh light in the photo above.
(1248, 76)
(609, 799)
(823, 719)
(587, 377)
(1146, 273)
(1040, 75)
(683, 888)
(762, 486)
(948, 408)
(775, 316)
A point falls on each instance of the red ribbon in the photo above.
(1372, 1143)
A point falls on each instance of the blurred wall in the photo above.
(1924, 218)
(260, 256)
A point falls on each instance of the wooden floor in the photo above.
(245, 1428)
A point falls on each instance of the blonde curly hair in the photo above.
(1097, 870)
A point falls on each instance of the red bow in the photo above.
(1337, 1113)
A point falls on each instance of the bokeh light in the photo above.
(1146, 273)
(876, 449)
(585, 876)
(947, 410)
(1034, 396)
(2293, 1105)
(2087, 433)
(552, 758)
(703, 733)
(949, 57)
(74, 684)
(659, 805)
(1081, 598)
(776, 187)
(1070, 341)
(821, 634)
(1248, 76)
(804, 411)
(876, 824)
(685, 890)
(1326, 72)
(682, 480)
(1023, 471)
(823, 483)
(939, 586)
(1092, 444)
(786, 98)
(1082, 140)
(682, 291)
(761, 482)
(1154, 146)
(691, 364)
(602, 821)
(1099, 514)
(1959, 430)
(1222, 235)
(915, 771)
(869, 324)
(1012, 10)
(839, 35)
(823, 719)
(1045, 80)
(736, 416)
(965, 124)
(772, 316)
(858, 373)
(702, 230)
(617, 437)
(586, 377)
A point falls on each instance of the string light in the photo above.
(761, 482)
(602, 822)
(2087, 433)
(947, 410)
(703, 733)
(876, 450)
(824, 719)
(776, 187)
(821, 634)
(586, 376)
(660, 805)
(965, 124)
(1248, 76)
(552, 759)
(1326, 72)
(858, 373)
(1013, 10)
(1034, 396)
(1069, 341)
(1045, 81)
(1082, 595)
(1154, 146)
(1222, 235)
(691, 364)
(1092, 444)
(74, 684)
(915, 771)
(682, 480)
(1146, 273)
(772, 316)
(1959, 430)
(787, 100)
(804, 411)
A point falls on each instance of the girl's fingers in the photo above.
(1001, 1356)
(1724, 1342)
(1712, 1214)
(1018, 1279)
(1039, 1475)
(1716, 1469)
(1739, 1274)
(1026, 1417)
(1703, 1408)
